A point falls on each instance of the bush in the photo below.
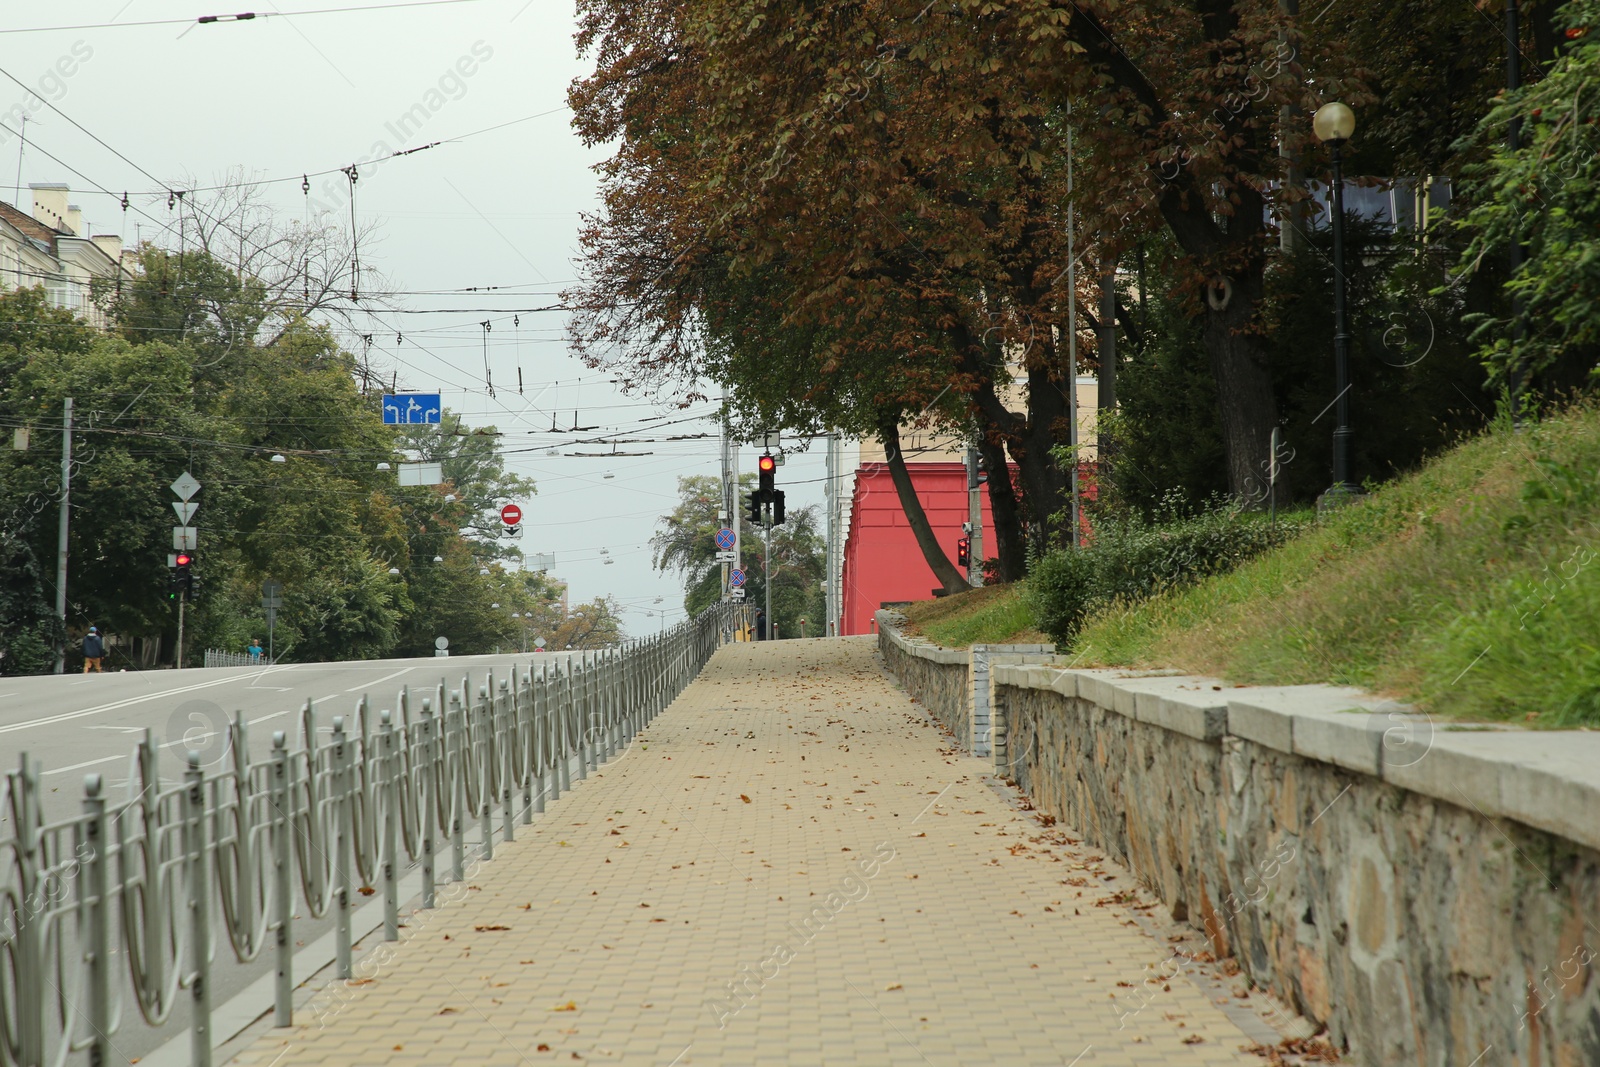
(1131, 559)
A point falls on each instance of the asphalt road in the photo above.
(76, 725)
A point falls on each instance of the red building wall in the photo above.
(882, 563)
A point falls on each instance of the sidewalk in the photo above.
(788, 867)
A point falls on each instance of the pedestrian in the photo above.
(761, 625)
(254, 650)
(94, 650)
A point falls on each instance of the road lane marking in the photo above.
(80, 766)
(385, 678)
(49, 720)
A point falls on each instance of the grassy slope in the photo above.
(1467, 587)
(1471, 588)
(993, 615)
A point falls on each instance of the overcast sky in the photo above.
(286, 96)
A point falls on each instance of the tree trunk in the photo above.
(944, 570)
(1239, 362)
(1244, 382)
(1010, 551)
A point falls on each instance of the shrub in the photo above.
(1131, 559)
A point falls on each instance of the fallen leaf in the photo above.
(448, 1011)
(570, 1005)
(543, 1047)
(892, 987)
(487, 927)
(366, 891)
(744, 798)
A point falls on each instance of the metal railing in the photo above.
(230, 854)
(218, 658)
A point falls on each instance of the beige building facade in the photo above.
(51, 247)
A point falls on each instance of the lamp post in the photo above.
(1333, 124)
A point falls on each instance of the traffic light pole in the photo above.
(766, 573)
(182, 596)
(61, 533)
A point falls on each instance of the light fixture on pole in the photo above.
(1333, 124)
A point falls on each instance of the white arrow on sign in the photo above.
(185, 510)
(185, 486)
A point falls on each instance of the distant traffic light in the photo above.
(755, 507)
(183, 577)
(964, 552)
(767, 467)
(777, 507)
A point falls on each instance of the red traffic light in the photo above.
(767, 464)
(184, 559)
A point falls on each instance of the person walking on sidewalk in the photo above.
(255, 651)
(94, 650)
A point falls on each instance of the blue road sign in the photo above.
(736, 578)
(401, 409)
(725, 540)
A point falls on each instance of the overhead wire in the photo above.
(244, 16)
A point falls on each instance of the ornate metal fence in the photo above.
(154, 883)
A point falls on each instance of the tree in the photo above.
(686, 544)
(595, 625)
(911, 231)
(1542, 198)
(242, 276)
(475, 472)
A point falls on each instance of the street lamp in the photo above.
(1333, 124)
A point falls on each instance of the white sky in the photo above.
(283, 96)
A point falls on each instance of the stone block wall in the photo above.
(937, 677)
(1430, 895)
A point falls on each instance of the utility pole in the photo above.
(1072, 334)
(974, 518)
(836, 551)
(61, 534)
(766, 575)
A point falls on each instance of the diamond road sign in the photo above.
(185, 486)
(736, 578)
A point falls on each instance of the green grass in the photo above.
(993, 615)
(1469, 588)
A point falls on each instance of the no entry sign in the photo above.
(510, 514)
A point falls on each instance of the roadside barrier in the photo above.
(230, 854)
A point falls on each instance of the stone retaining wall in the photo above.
(937, 677)
(1431, 895)
(953, 684)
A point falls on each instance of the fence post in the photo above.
(455, 769)
(561, 700)
(545, 723)
(199, 903)
(530, 743)
(93, 867)
(427, 815)
(283, 905)
(506, 747)
(341, 846)
(389, 785)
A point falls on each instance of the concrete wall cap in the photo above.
(1546, 779)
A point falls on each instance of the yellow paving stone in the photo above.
(787, 866)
